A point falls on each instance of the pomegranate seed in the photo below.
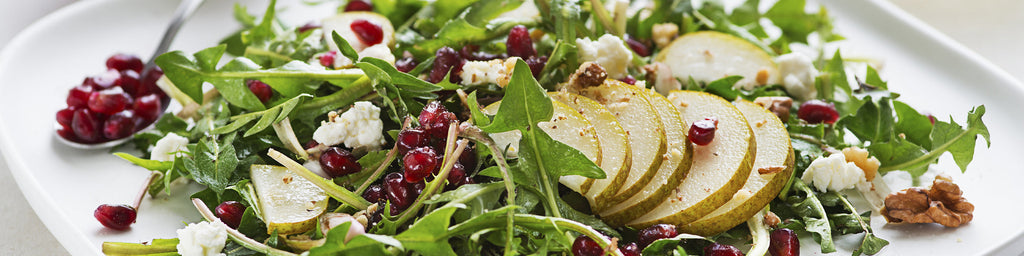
(629, 80)
(637, 47)
(456, 176)
(358, 5)
(130, 83)
(309, 26)
(519, 43)
(311, 144)
(468, 158)
(630, 249)
(367, 32)
(374, 193)
(653, 233)
(784, 243)
(64, 116)
(118, 216)
(86, 125)
(931, 119)
(327, 60)
(79, 96)
(261, 89)
(337, 162)
(419, 162)
(446, 61)
(150, 83)
(816, 112)
(67, 133)
(109, 101)
(103, 81)
(417, 188)
(122, 62)
(119, 125)
(703, 132)
(435, 119)
(406, 64)
(409, 139)
(536, 64)
(230, 212)
(584, 246)
(472, 52)
(717, 249)
(147, 109)
(398, 192)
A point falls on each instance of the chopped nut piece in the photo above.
(771, 220)
(860, 157)
(589, 74)
(770, 169)
(942, 203)
(664, 33)
(777, 105)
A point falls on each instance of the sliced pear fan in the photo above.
(718, 170)
(708, 55)
(773, 167)
(615, 148)
(290, 204)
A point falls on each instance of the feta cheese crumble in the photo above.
(488, 72)
(169, 147)
(834, 173)
(359, 127)
(380, 51)
(798, 73)
(202, 239)
(608, 51)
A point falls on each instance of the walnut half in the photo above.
(942, 203)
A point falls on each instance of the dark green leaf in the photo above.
(666, 246)
(153, 165)
(915, 126)
(428, 235)
(343, 46)
(212, 164)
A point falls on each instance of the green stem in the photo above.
(320, 105)
(759, 234)
(603, 16)
(549, 191)
(474, 133)
(113, 248)
(340, 74)
(934, 153)
(269, 54)
(337, 192)
(235, 235)
(384, 165)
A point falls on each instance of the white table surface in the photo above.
(989, 27)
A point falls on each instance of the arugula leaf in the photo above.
(802, 200)
(212, 164)
(397, 11)
(152, 165)
(186, 72)
(915, 126)
(344, 47)
(428, 235)
(365, 244)
(666, 246)
(946, 137)
(796, 24)
(873, 121)
(266, 117)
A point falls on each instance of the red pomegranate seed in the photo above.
(150, 83)
(86, 125)
(358, 6)
(367, 32)
(409, 139)
(703, 132)
(519, 43)
(406, 64)
(64, 116)
(418, 163)
(147, 110)
(584, 246)
(337, 162)
(119, 125)
(629, 80)
(261, 89)
(435, 119)
(784, 243)
(230, 212)
(816, 112)
(398, 192)
(327, 59)
(536, 64)
(129, 82)
(119, 217)
(109, 101)
(122, 62)
(311, 144)
(637, 47)
(468, 158)
(104, 80)
(660, 231)
(717, 249)
(472, 52)
(65, 131)
(79, 96)
(446, 60)
(309, 26)
(931, 119)
(630, 249)
(374, 193)
(456, 176)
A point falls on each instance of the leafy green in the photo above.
(266, 117)
(802, 200)
(666, 246)
(213, 164)
(400, 89)
(901, 154)
(428, 235)
(365, 244)
(796, 24)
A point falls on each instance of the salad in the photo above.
(508, 127)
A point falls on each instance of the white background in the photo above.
(990, 27)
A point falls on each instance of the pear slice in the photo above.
(718, 170)
(708, 55)
(773, 167)
(639, 119)
(342, 23)
(674, 166)
(615, 149)
(566, 126)
(290, 204)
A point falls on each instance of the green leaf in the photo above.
(796, 24)
(265, 121)
(235, 90)
(212, 164)
(724, 87)
(365, 244)
(806, 205)
(266, 117)
(343, 46)
(873, 121)
(428, 235)
(666, 246)
(915, 126)
(871, 245)
(187, 72)
(873, 79)
(946, 137)
(476, 116)
(153, 165)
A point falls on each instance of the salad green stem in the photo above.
(450, 157)
(342, 74)
(266, 53)
(153, 175)
(602, 15)
(759, 233)
(474, 133)
(286, 134)
(337, 192)
(384, 165)
(235, 235)
(115, 248)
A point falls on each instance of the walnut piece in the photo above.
(942, 203)
(859, 156)
(777, 105)
(589, 74)
(664, 33)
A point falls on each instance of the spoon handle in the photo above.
(185, 9)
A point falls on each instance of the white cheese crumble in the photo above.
(359, 127)
(380, 51)
(662, 34)
(834, 173)
(487, 72)
(201, 239)
(798, 73)
(169, 147)
(608, 51)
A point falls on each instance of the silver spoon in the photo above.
(185, 9)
